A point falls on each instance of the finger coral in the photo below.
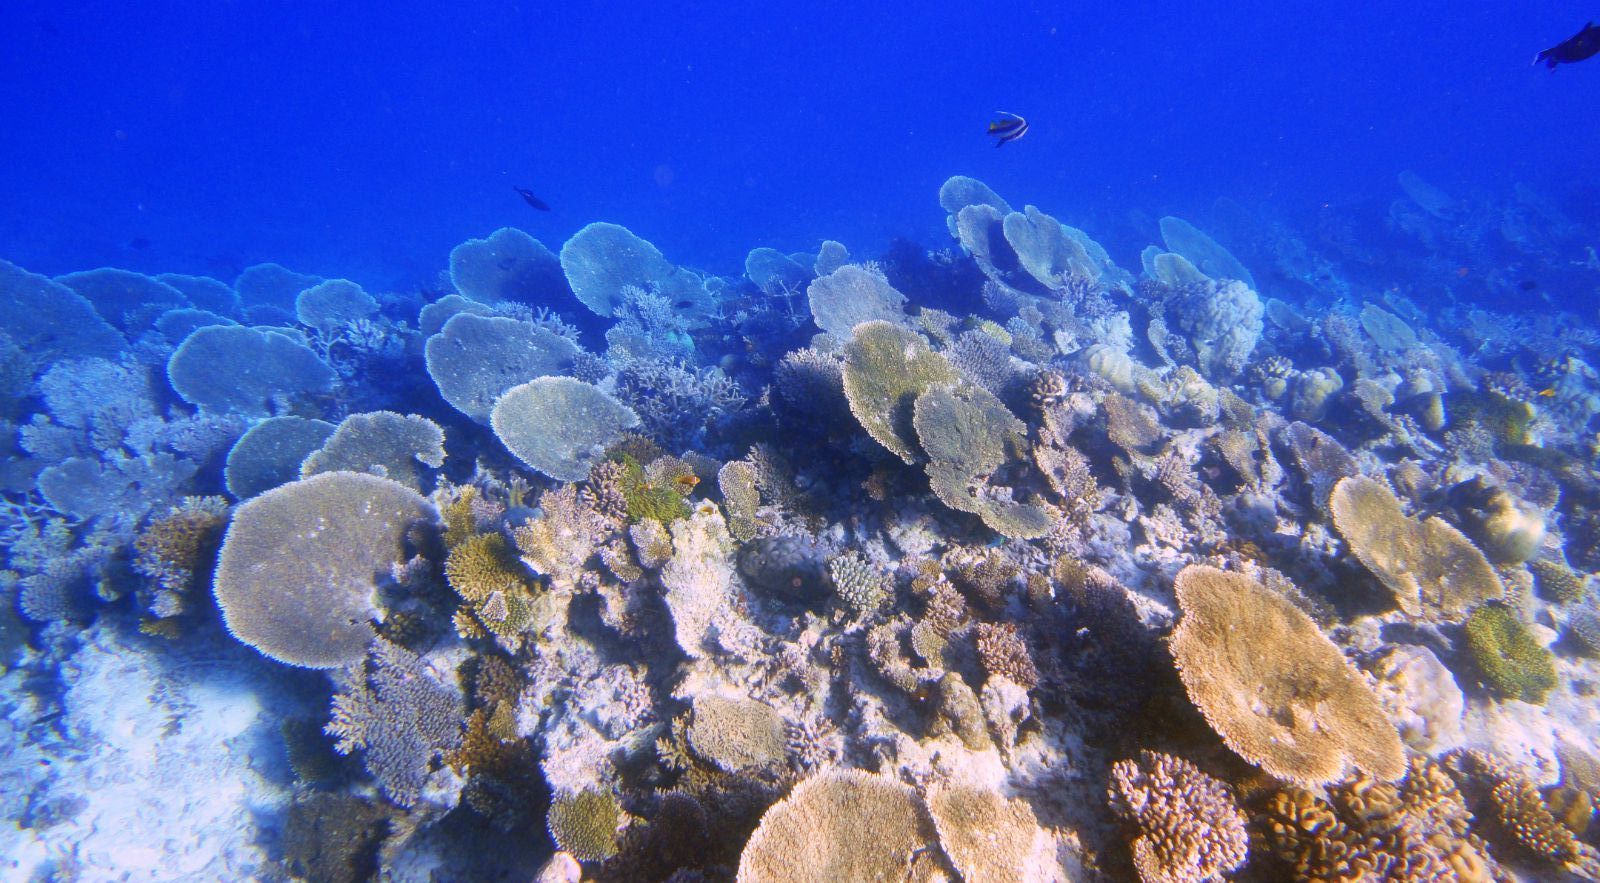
(560, 426)
(296, 575)
(1189, 828)
(1273, 686)
(1432, 568)
(820, 833)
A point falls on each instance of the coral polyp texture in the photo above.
(1277, 691)
(1188, 826)
(300, 565)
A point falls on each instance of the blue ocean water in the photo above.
(1202, 486)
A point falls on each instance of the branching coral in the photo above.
(1432, 569)
(736, 734)
(1276, 689)
(865, 589)
(496, 595)
(1004, 653)
(401, 717)
(1189, 828)
(177, 549)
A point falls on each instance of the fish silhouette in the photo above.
(530, 199)
(1575, 48)
(1008, 128)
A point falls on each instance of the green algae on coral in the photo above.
(1514, 665)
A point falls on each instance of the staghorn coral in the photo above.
(296, 574)
(560, 543)
(1432, 569)
(736, 734)
(1513, 664)
(1189, 828)
(1277, 691)
(560, 426)
(584, 824)
(886, 368)
(383, 443)
(402, 718)
(657, 492)
(815, 834)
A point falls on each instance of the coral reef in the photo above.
(1189, 828)
(560, 426)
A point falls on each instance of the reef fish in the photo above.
(530, 199)
(1008, 128)
(1577, 47)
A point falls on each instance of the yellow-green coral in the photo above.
(1557, 581)
(886, 367)
(585, 824)
(1514, 665)
(1273, 686)
(496, 593)
(1432, 569)
(654, 494)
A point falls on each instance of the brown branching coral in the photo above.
(175, 550)
(1003, 652)
(495, 592)
(559, 544)
(1432, 569)
(1501, 794)
(1273, 686)
(984, 575)
(1189, 828)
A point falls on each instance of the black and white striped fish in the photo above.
(1008, 128)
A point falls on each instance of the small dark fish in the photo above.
(1527, 285)
(1008, 128)
(139, 242)
(530, 199)
(1577, 47)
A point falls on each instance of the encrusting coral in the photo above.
(1272, 685)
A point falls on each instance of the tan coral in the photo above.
(1273, 686)
(987, 836)
(1189, 827)
(1432, 568)
(842, 825)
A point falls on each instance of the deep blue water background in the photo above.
(364, 139)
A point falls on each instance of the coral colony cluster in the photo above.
(997, 563)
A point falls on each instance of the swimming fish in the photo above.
(530, 199)
(1577, 47)
(1007, 129)
(1548, 393)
